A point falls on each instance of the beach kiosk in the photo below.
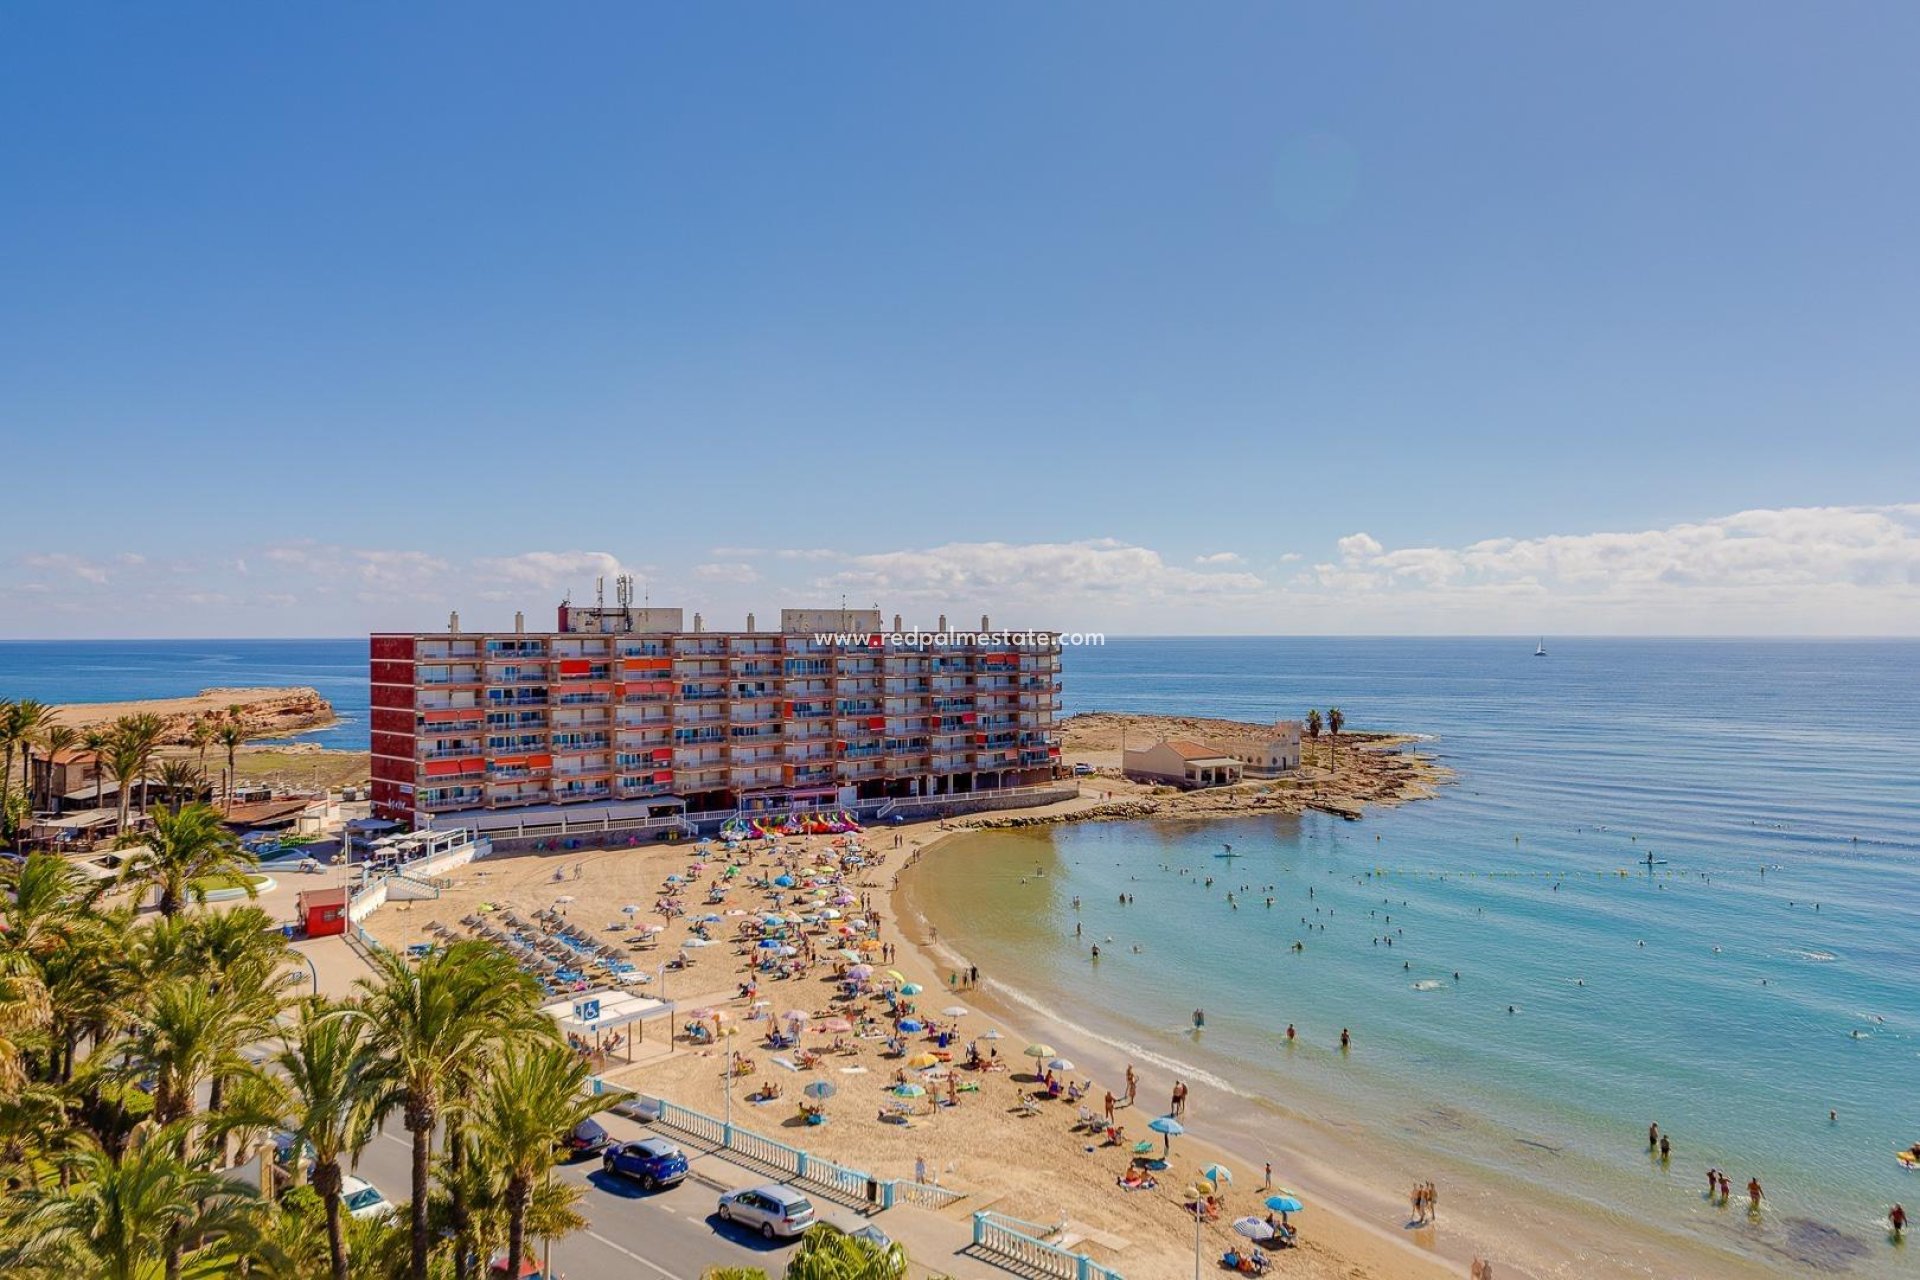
(323, 912)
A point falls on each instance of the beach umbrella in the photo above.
(768, 944)
(860, 972)
(920, 1060)
(784, 881)
(896, 975)
(991, 1033)
(1284, 1202)
(565, 897)
(1200, 1187)
(629, 910)
(773, 920)
(852, 957)
(1253, 1228)
(786, 1063)
(697, 942)
(676, 880)
(1166, 1127)
(1217, 1174)
(798, 1016)
(655, 928)
(828, 913)
(1059, 1064)
(820, 1089)
(955, 1011)
(1043, 1051)
(912, 1024)
(908, 1091)
(836, 1026)
(911, 989)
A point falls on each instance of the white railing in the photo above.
(1011, 1239)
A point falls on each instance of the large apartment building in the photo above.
(629, 709)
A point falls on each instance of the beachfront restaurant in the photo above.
(1181, 764)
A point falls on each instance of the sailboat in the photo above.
(1540, 650)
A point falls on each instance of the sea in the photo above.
(1525, 991)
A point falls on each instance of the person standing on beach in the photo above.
(1179, 1097)
(1109, 1106)
(1266, 1179)
(1653, 1135)
(1897, 1219)
(1433, 1202)
(1417, 1198)
(1726, 1188)
(1753, 1194)
(1133, 1084)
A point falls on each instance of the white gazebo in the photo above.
(591, 1015)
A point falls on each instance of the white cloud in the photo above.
(979, 572)
(734, 572)
(1218, 557)
(60, 562)
(807, 553)
(551, 570)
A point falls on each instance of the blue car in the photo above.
(652, 1162)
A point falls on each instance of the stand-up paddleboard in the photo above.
(1907, 1159)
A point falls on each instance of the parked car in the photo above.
(1082, 770)
(587, 1138)
(652, 1162)
(361, 1199)
(771, 1210)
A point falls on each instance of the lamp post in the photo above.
(1196, 1238)
(312, 969)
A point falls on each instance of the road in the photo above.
(671, 1234)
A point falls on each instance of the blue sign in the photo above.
(587, 1010)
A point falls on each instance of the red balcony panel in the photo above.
(391, 720)
(390, 647)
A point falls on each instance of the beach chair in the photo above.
(1026, 1106)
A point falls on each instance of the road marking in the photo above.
(620, 1248)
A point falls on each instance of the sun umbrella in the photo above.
(773, 921)
(1041, 1051)
(850, 956)
(798, 1016)
(895, 975)
(955, 1011)
(836, 1026)
(655, 928)
(697, 942)
(768, 944)
(1166, 1127)
(785, 882)
(919, 1060)
(911, 989)
(860, 972)
(565, 897)
(991, 1033)
(1200, 1187)
(1059, 1064)
(1217, 1174)
(1253, 1228)
(820, 1089)
(1284, 1202)
(912, 1024)
(908, 1091)
(629, 910)
(828, 913)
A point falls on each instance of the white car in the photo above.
(771, 1210)
(361, 1199)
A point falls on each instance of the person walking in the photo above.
(1897, 1219)
(1753, 1194)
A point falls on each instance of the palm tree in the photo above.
(96, 740)
(432, 1022)
(179, 779)
(147, 1215)
(24, 1009)
(187, 1036)
(1313, 727)
(185, 846)
(55, 740)
(332, 1074)
(828, 1253)
(143, 733)
(230, 734)
(21, 723)
(200, 737)
(1335, 720)
(534, 1094)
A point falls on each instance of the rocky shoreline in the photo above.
(1343, 778)
(262, 712)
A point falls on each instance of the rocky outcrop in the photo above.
(264, 713)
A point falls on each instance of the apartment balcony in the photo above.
(516, 773)
(811, 711)
(438, 801)
(519, 647)
(459, 749)
(643, 717)
(580, 745)
(686, 780)
(507, 799)
(625, 789)
(574, 648)
(704, 758)
(808, 731)
(516, 721)
(453, 680)
(821, 776)
(574, 795)
(757, 776)
(517, 675)
(466, 725)
(855, 770)
(899, 764)
(568, 721)
(446, 651)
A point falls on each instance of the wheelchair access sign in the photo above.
(586, 1010)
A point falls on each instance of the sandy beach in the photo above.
(1041, 1167)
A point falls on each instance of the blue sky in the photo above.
(1234, 317)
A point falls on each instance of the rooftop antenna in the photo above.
(600, 592)
(623, 592)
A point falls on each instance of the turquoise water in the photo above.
(1734, 1007)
